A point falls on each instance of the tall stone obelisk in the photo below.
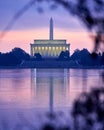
(51, 29)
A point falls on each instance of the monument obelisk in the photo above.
(51, 29)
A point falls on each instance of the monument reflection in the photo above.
(50, 87)
(45, 88)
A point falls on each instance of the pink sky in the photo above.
(31, 25)
(23, 38)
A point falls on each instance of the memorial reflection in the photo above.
(50, 87)
(45, 88)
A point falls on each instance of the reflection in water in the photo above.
(25, 94)
(84, 80)
(50, 86)
(45, 88)
(51, 94)
(14, 88)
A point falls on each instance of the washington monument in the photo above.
(49, 48)
(51, 29)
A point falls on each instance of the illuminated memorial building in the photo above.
(49, 48)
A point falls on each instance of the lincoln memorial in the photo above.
(49, 48)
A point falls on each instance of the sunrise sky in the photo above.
(34, 25)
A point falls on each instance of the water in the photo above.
(25, 94)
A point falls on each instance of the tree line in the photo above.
(82, 57)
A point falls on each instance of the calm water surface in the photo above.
(31, 91)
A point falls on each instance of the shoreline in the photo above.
(50, 65)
